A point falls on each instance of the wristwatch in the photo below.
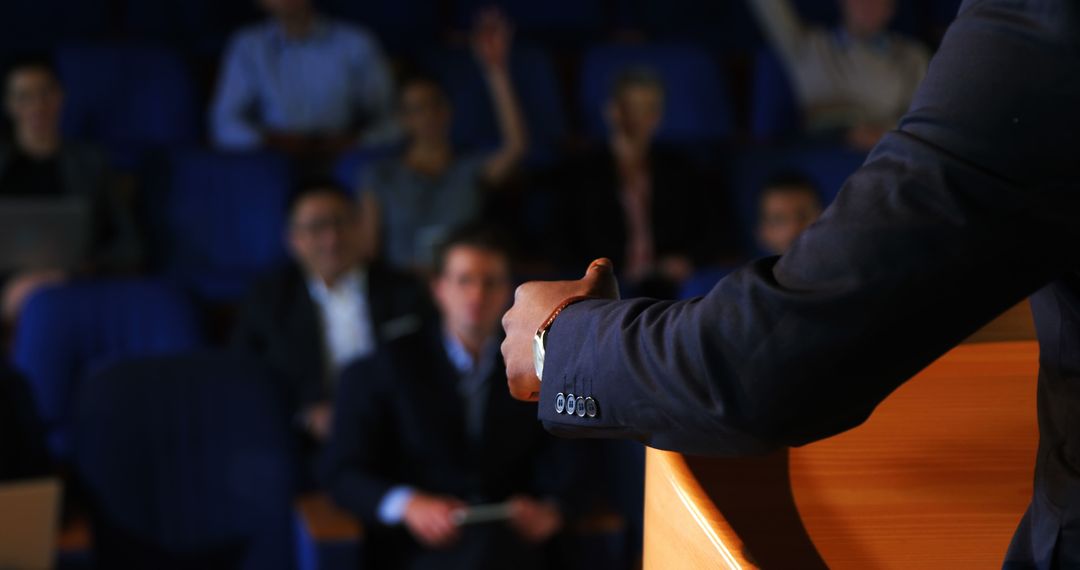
(541, 336)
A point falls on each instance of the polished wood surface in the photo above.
(326, 522)
(938, 477)
(684, 529)
(1014, 324)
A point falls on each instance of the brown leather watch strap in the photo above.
(551, 318)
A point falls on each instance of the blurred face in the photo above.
(867, 17)
(785, 213)
(34, 100)
(425, 113)
(286, 8)
(637, 111)
(324, 235)
(473, 290)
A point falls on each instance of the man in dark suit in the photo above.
(311, 318)
(426, 428)
(964, 210)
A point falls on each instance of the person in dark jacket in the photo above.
(426, 429)
(38, 163)
(640, 202)
(967, 208)
(311, 318)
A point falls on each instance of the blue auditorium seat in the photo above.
(66, 332)
(537, 89)
(186, 463)
(224, 217)
(774, 112)
(826, 166)
(697, 106)
(350, 167)
(128, 98)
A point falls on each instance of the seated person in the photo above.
(303, 84)
(427, 427)
(788, 204)
(857, 79)
(413, 200)
(23, 454)
(634, 201)
(39, 163)
(311, 318)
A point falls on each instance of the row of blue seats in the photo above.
(133, 98)
(408, 25)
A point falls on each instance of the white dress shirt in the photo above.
(345, 316)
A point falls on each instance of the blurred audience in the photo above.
(857, 79)
(427, 428)
(326, 308)
(634, 201)
(788, 204)
(302, 83)
(412, 201)
(39, 164)
(23, 453)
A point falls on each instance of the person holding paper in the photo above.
(967, 208)
(444, 468)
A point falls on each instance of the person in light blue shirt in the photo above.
(302, 83)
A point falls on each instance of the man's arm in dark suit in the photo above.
(971, 205)
(360, 443)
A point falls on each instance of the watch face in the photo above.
(538, 355)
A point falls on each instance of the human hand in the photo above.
(536, 521)
(491, 39)
(429, 519)
(533, 304)
(318, 420)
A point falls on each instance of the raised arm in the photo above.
(781, 25)
(967, 209)
(491, 44)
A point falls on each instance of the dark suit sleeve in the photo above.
(966, 209)
(360, 444)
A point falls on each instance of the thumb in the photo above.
(600, 279)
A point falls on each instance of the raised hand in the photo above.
(491, 39)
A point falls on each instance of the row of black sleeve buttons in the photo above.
(580, 406)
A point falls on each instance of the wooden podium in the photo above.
(938, 477)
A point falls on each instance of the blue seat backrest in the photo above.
(697, 104)
(66, 332)
(774, 106)
(225, 219)
(128, 98)
(186, 461)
